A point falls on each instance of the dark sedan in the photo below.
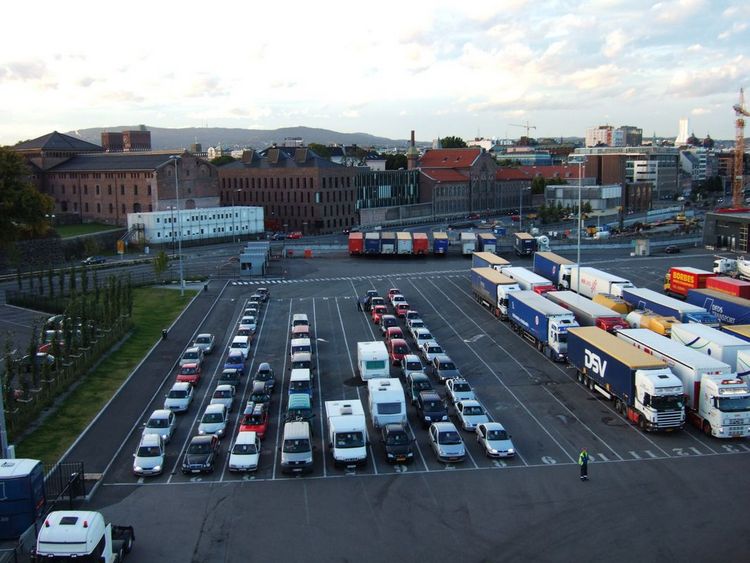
(201, 454)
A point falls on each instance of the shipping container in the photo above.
(553, 267)
(524, 244)
(710, 341)
(727, 308)
(404, 242)
(372, 243)
(23, 500)
(528, 280)
(356, 244)
(590, 281)
(420, 244)
(730, 286)
(468, 243)
(488, 260)
(388, 243)
(440, 243)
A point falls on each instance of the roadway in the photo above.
(658, 486)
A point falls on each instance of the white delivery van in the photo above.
(300, 319)
(296, 448)
(387, 403)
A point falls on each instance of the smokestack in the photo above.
(412, 138)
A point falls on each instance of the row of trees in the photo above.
(556, 213)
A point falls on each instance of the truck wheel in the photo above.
(120, 554)
(707, 428)
(128, 547)
(642, 423)
(579, 376)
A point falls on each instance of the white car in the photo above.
(223, 395)
(179, 397)
(459, 390)
(263, 292)
(213, 421)
(245, 452)
(396, 299)
(205, 342)
(422, 335)
(470, 413)
(430, 349)
(250, 321)
(413, 324)
(162, 422)
(148, 459)
(495, 440)
(192, 355)
(446, 442)
(251, 311)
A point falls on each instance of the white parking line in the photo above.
(320, 388)
(281, 393)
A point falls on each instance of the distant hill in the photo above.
(166, 138)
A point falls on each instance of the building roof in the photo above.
(284, 157)
(449, 158)
(58, 142)
(547, 172)
(507, 174)
(444, 174)
(114, 161)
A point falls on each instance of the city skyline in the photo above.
(436, 67)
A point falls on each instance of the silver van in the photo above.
(240, 344)
(296, 448)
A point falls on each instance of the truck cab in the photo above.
(724, 407)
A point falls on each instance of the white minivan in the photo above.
(300, 345)
(245, 452)
(296, 448)
(300, 319)
(241, 344)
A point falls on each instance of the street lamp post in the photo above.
(578, 259)
(176, 159)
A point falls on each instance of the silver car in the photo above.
(459, 390)
(213, 421)
(495, 440)
(205, 342)
(179, 397)
(193, 355)
(162, 422)
(446, 442)
(470, 413)
(223, 395)
(148, 459)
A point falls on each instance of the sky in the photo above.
(471, 68)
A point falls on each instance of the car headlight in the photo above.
(391, 455)
(493, 451)
(445, 417)
(201, 432)
(138, 468)
(511, 451)
(157, 468)
(410, 454)
(164, 436)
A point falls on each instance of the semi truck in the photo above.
(524, 244)
(543, 323)
(553, 267)
(650, 300)
(372, 243)
(727, 308)
(404, 243)
(710, 341)
(356, 244)
(617, 304)
(586, 312)
(372, 360)
(655, 323)
(491, 289)
(678, 281)
(730, 286)
(589, 281)
(347, 432)
(420, 244)
(486, 242)
(643, 389)
(388, 243)
(81, 535)
(440, 243)
(488, 260)
(528, 280)
(736, 268)
(23, 498)
(468, 243)
(717, 402)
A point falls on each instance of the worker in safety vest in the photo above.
(583, 461)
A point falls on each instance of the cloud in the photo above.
(737, 27)
(705, 82)
(614, 43)
(205, 86)
(602, 76)
(699, 111)
(85, 81)
(350, 113)
(25, 70)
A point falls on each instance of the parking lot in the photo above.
(548, 414)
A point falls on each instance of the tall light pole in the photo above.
(234, 230)
(176, 159)
(578, 259)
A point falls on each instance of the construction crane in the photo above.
(526, 126)
(739, 151)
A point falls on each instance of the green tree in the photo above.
(396, 161)
(321, 150)
(537, 185)
(23, 208)
(161, 263)
(452, 142)
(221, 160)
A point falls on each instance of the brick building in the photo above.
(298, 189)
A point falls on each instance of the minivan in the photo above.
(301, 331)
(300, 345)
(240, 344)
(302, 360)
(299, 407)
(300, 381)
(299, 319)
(296, 448)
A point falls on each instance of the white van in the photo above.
(245, 452)
(241, 344)
(296, 448)
(300, 345)
(300, 381)
(300, 319)
(387, 402)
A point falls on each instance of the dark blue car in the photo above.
(235, 361)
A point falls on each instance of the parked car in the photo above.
(299, 408)
(377, 313)
(393, 332)
(264, 293)
(397, 349)
(393, 291)
(443, 368)
(223, 395)
(429, 350)
(229, 376)
(40, 359)
(413, 324)
(249, 321)
(417, 382)
(205, 342)
(255, 419)
(411, 314)
(446, 442)
(295, 235)
(398, 443)
(190, 373)
(386, 322)
(235, 360)
(458, 389)
(148, 459)
(245, 452)
(495, 440)
(470, 413)
(401, 309)
(266, 375)
(201, 454)
(374, 302)
(213, 421)
(431, 408)
(91, 260)
(179, 397)
(422, 335)
(162, 422)
(259, 393)
(672, 249)
(193, 355)
(396, 299)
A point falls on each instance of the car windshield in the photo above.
(199, 448)
(389, 408)
(299, 385)
(223, 394)
(149, 451)
(432, 405)
(259, 397)
(461, 387)
(473, 410)
(302, 414)
(229, 376)
(422, 385)
(263, 375)
(668, 403)
(401, 349)
(416, 323)
(158, 423)
(244, 332)
(235, 359)
(189, 370)
(190, 355)
(349, 440)
(434, 350)
(424, 336)
(245, 449)
(177, 394)
(390, 322)
(253, 419)
(212, 417)
(449, 437)
(447, 366)
(497, 435)
(733, 404)
(296, 446)
(397, 439)
(203, 340)
(301, 364)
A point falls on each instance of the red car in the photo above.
(398, 349)
(191, 373)
(401, 309)
(294, 234)
(394, 332)
(255, 419)
(377, 312)
(393, 291)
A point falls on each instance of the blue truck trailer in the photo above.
(372, 243)
(388, 244)
(728, 309)
(486, 242)
(542, 322)
(440, 243)
(650, 300)
(23, 501)
(488, 260)
(553, 267)
(642, 387)
(491, 289)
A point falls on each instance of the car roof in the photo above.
(443, 358)
(429, 394)
(224, 387)
(470, 403)
(181, 386)
(299, 400)
(235, 354)
(161, 413)
(455, 380)
(417, 375)
(206, 334)
(193, 349)
(444, 426)
(190, 365)
(258, 386)
(150, 440)
(299, 356)
(215, 407)
(246, 437)
(422, 329)
(264, 366)
(493, 426)
(394, 427)
(200, 439)
(412, 358)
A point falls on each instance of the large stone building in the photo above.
(298, 189)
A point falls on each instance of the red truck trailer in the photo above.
(730, 286)
(678, 281)
(356, 244)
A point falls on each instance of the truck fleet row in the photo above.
(404, 243)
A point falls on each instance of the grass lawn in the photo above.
(67, 231)
(153, 308)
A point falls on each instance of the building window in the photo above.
(135, 190)
(124, 208)
(86, 206)
(122, 189)
(109, 190)
(97, 189)
(149, 189)
(98, 207)
(85, 190)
